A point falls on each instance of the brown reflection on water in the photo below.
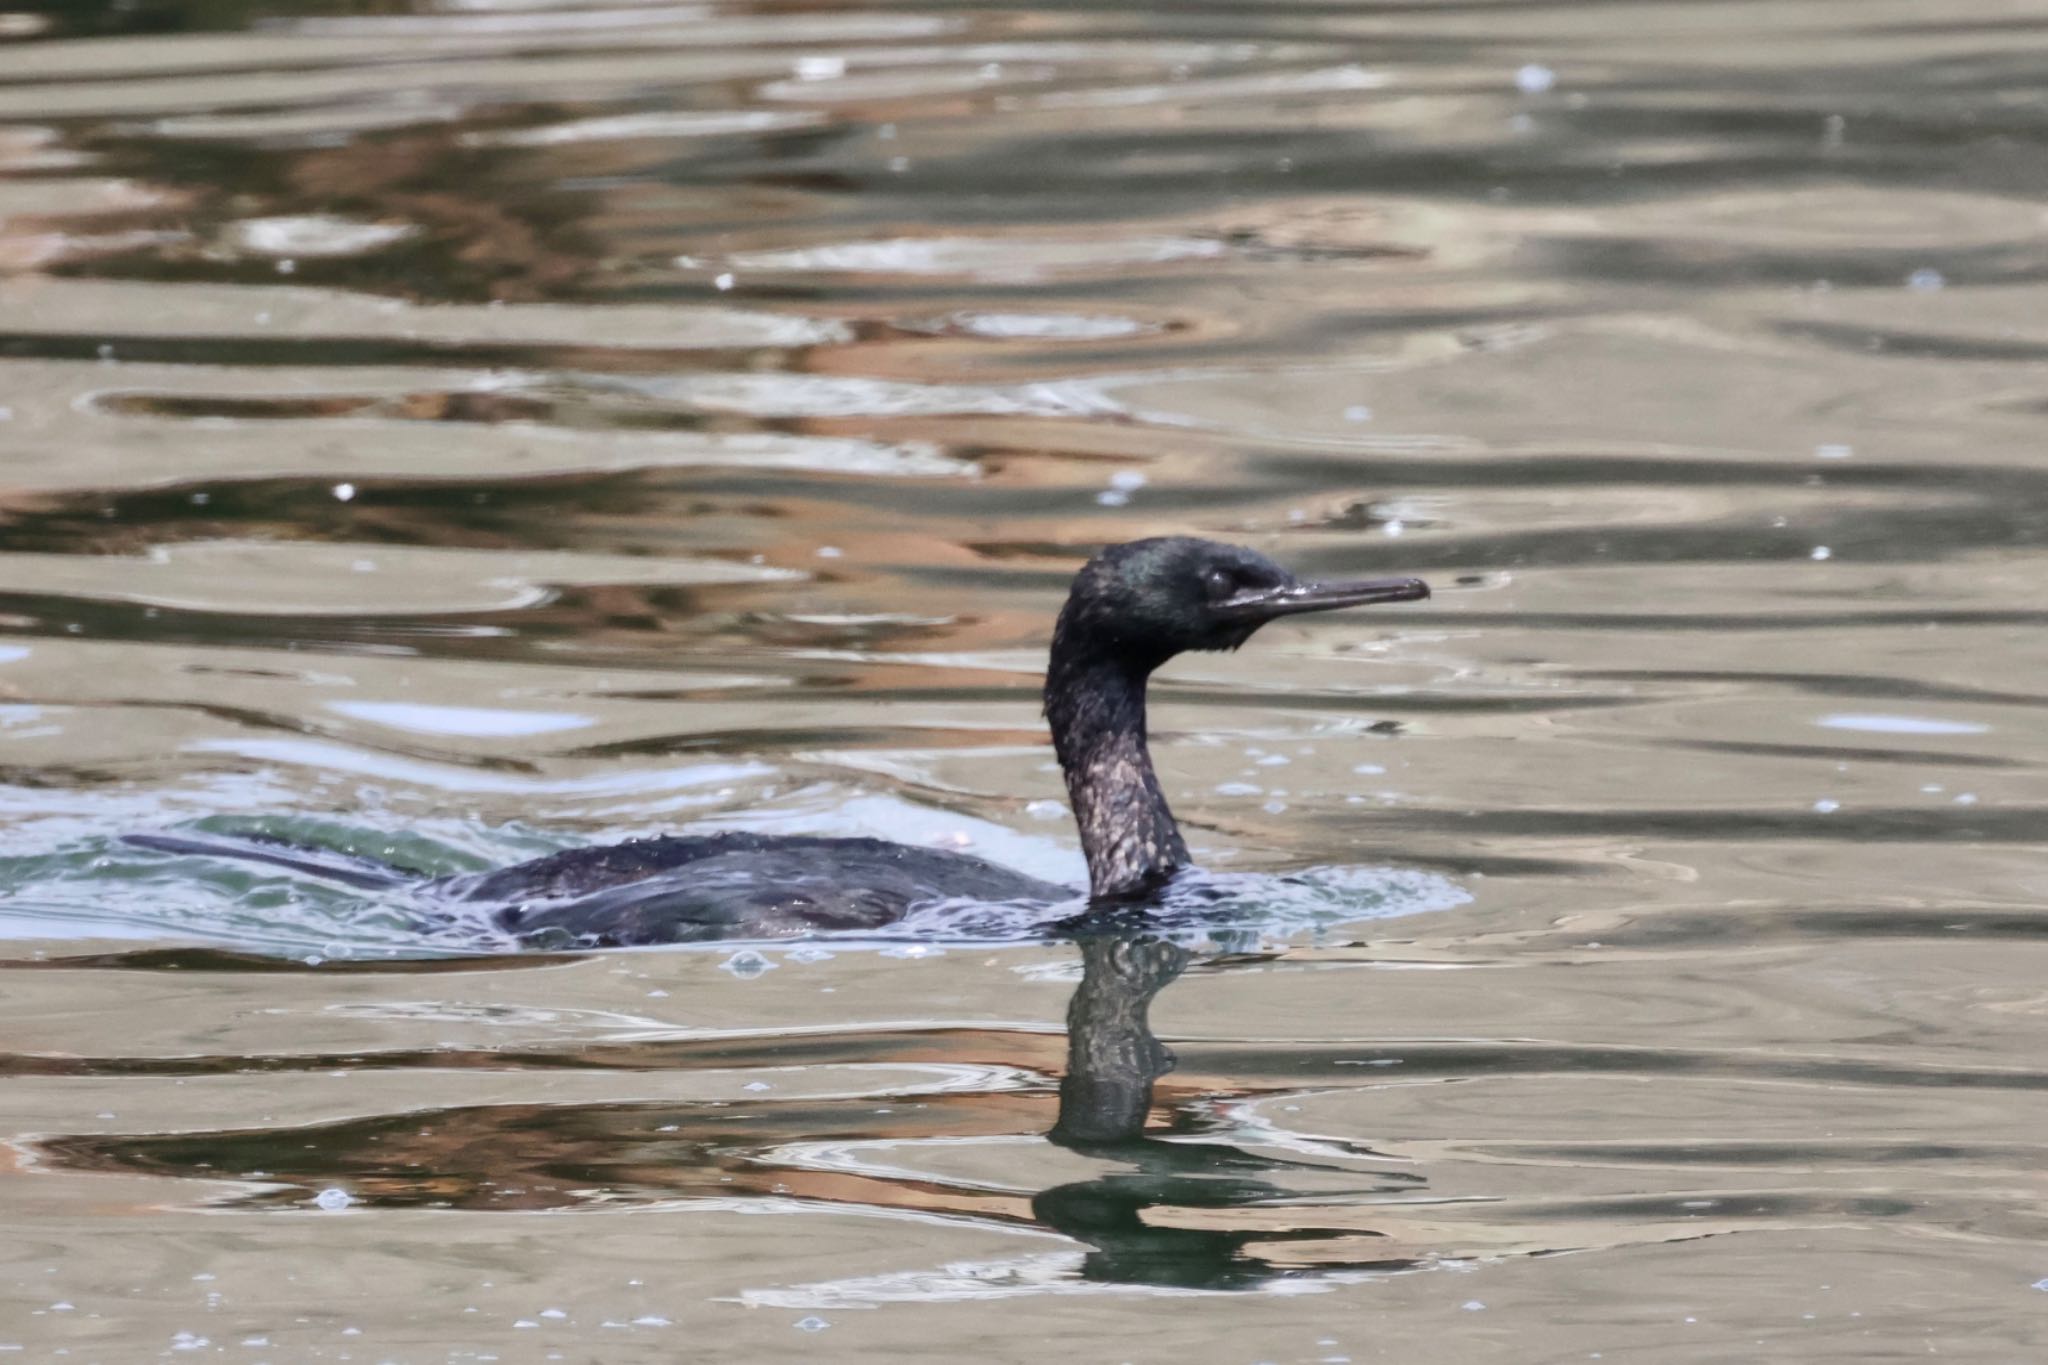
(1164, 1210)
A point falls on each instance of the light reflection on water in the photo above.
(461, 429)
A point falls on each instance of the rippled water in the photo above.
(460, 429)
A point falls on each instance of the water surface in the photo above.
(459, 429)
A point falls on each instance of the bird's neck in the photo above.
(1096, 707)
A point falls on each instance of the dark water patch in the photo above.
(198, 959)
(57, 618)
(1864, 686)
(1900, 344)
(1254, 1067)
(1807, 1154)
(1688, 264)
(1847, 825)
(137, 18)
(461, 510)
(1842, 753)
(452, 406)
(850, 1046)
(341, 353)
(1374, 1064)
(1778, 924)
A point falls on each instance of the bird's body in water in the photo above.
(1131, 609)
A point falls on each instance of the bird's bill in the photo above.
(1296, 598)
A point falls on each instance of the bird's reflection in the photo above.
(1113, 1057)
(1186, 1196)
(1146, 1224)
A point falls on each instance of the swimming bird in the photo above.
(1132, 608)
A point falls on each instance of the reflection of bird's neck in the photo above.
(1113, 1058)
(1095, 704)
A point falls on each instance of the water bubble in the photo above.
(1833, 452)
(830, 552)
(812, 1325)
(1394, 527)
(1821, 552)
(724, 282)
(650, 1320)
(1472, 1306)
(1112, 498)
(1358, 412)
(1535, 78)
(344, 492)
(1239, 789)
(1127, 480)
(1044, 810)
(1926, 280)
(746, 964)
(553, 1313)
(333, 1200)
(1827, 805)
(1966, 798)
(820, 68)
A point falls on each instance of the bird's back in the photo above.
(688, 888)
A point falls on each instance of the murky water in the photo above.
(460, 429)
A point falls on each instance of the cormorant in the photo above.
(1132, 607)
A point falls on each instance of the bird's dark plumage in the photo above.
(683, 888)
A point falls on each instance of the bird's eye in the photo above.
(1221, 583)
